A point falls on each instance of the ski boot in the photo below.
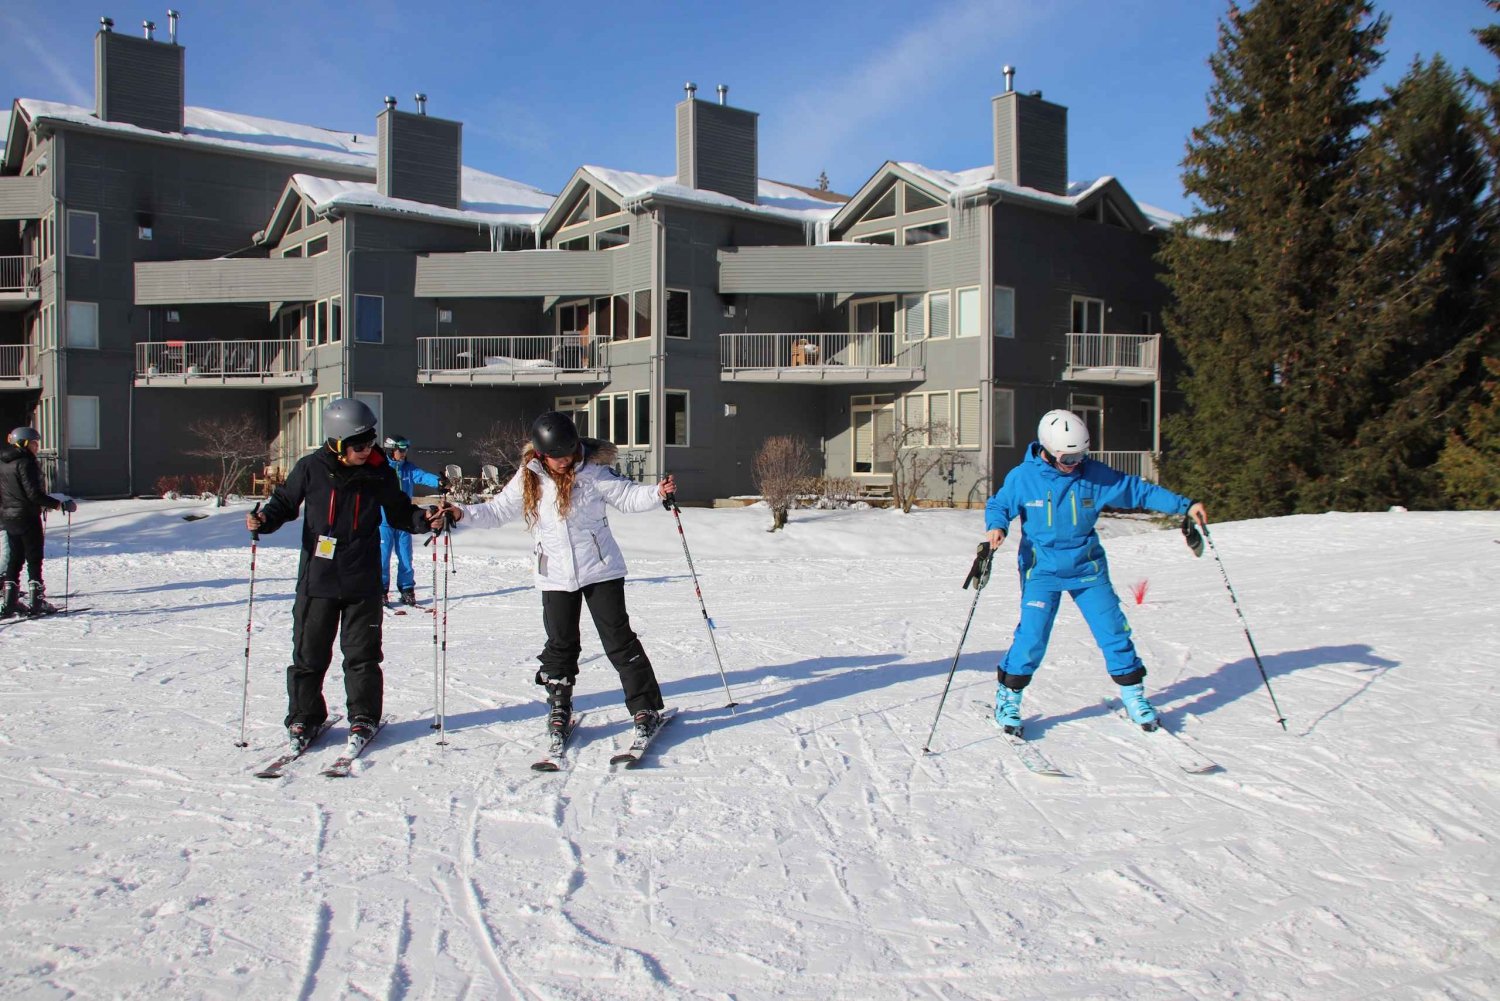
(1008, 709)
(299, 735)
(39, 605)
(647, 722)
(10, 601)
(1138, 706)
(409, 596)
(360, 731)
(559, 704)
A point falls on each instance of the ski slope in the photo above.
(800, 845)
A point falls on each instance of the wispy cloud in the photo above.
(74, 90)
(815, 124)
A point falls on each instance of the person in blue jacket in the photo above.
(1058, 492)
(411, 476)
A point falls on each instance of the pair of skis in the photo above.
(1160, 740)
(554, 757)
(341, 767)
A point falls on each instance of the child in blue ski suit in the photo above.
(1059, 493)
(411, 476)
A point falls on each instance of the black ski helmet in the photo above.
(555, 434)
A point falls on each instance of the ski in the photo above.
(343, 766)
(1031, 756)
(273, 769)
(557, 744)
(632, 755)
(1165, 742)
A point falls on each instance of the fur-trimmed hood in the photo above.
(595, 450)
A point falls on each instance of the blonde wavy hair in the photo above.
(531, 484)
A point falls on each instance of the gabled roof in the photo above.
(955, 186)
(773, 198)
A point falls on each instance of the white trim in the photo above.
(636, 440)
(97, 237)
(960, 314)
(1073, 302)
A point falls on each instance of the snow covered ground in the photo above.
(802, 845)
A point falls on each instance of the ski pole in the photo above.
(437, 720)
(979, 575)
(670, 503)
(1244, 625)
(249, 618)
(443, 700)
(68, 566)
(452, 473)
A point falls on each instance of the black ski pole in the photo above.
(1243, 623)
(68, 565)
(670, 503)
(979, 575)
(249, 619)
(443, 700)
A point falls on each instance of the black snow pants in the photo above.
(358, 622)
(560, 614)
(27, 542)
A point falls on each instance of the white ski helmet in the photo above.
(1063, 433)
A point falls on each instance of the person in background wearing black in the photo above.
(346, 485)
(23, 498)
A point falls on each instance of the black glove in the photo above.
(1192, 536)
(443, 483)
(70, 505)
(979, 573)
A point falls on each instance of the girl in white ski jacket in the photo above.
(562, 491)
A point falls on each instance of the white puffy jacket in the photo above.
(580, 550)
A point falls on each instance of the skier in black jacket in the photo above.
(345, 486)
(23, 498)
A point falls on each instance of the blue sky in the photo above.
(841, 86)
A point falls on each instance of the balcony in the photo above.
(1142, 464)
(20, 283)
(24, 198)
(248, 280)
(1122, 359)
(222, 364)
(18, 369)
(561, 359)
(841, 358)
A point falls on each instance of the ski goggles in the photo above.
(359, 443)
(1071, 458)
(398, 444)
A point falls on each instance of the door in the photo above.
(874, 317)
(573, 334)
(1091, 409)
(872, 422)
(289, 445)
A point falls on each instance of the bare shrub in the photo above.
(166, 485)
(916, 451)
(501, 446)
(781, 468)
(834, 491)
(237, 444)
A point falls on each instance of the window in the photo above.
(886, 239)
(1088, 315)
(884, 207)
(677, 313)
(872, 419)
(917, 199)
(932, 412)
(581, 211)
(608, 239)
(291, 324)
(83, 325)
(968, 313)
(336, 319)
(321, 313)
(612, 417)
(642, 434)
(83, 236)
(605, 205)
(294, 251)
(317, 245)
(1003, 312)
(939, 310)
(369, 319)
(576, 407)
(313, 421)
(926, 233)
(1145, 415)
(83, 422)
(144, 233)
(577, 243)
(603, 318)
(968, 418)
(643, 313)
(1005, 418)
(573, 320)
(621, 319)
(1146, 323)
(296, 221)
(376, 402)
(676, 431)
(46, 246)
(914, 311)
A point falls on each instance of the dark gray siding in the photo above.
(251, 280)
(721, 148)
(827, 268)
(421, 158)
(1031, 142)
(138, 81)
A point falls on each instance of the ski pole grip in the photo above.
(1192, 536)
(979, 573)
(256, 511)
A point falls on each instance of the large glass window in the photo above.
(83, 233)
(939, 314)
(642, 419)
(581, 211)
(884, 207)
(336, 319)
(1003, 314)
(608, 239)
(677, 313)
(926, 233)
(577, 243)
(643, 313)
(676, 431)
(886, 239)
(317, 245)
(294, 251)
(369, 319)
(968, 418)
(917, 199)
(376, 403)
(1088, 315)
(322, 321)
(914, 310)
(1005, 417)
(607, 205)
(968, 312)
(83, 325)
(872, 420)
(83, 422)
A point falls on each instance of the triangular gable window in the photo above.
(917, 199)
(296, 222)
(1113, 216)
(582, 212)
(884, 207)
(606, 204)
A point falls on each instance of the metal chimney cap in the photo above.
(1010, 77)
(150, 26)
(421, 100)
(172, 16)
(723, 92)
(106, 23)
(390, 103)
(690, 88)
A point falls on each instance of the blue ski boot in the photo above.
(1008, 709)
(1138, 707)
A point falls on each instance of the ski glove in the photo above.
(1192, 536)
(979, 573)
(70, 505)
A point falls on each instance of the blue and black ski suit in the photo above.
(1060, 552)
(411, 477)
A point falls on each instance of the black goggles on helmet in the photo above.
(394, 444)
(365, 439)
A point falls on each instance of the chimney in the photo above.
(419, 157)
(1031, 139)
(172, 16)
(717, 146)
(138, 81)
(421, 100)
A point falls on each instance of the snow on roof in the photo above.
(488, 199)
(772, 197)
(977, 180)
(1160, 217)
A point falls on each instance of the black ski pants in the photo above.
(27, 543)
(560, 613)
(358, 622)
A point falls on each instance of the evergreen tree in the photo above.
(1273, 170)
(1470, 464)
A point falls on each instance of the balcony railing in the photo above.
(233, 363)
(820, 357)
(1142, 464)
(1125, 358)
(18, 367)
(20, 275)
(527, 358)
